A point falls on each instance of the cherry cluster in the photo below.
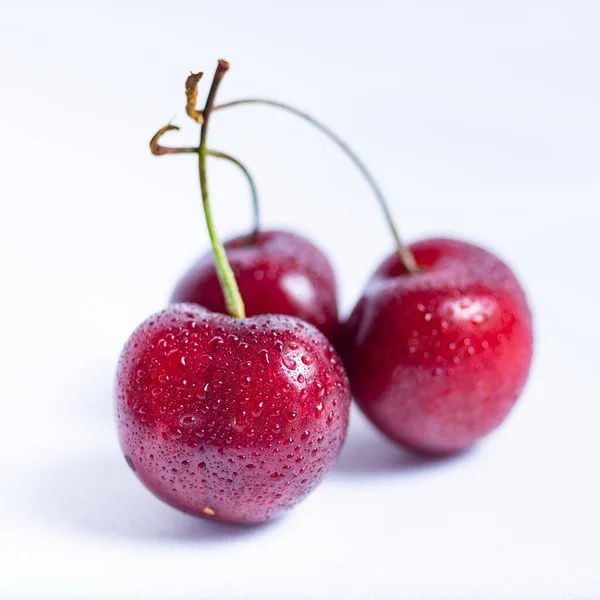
(233, 402)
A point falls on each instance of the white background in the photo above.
(481, 120)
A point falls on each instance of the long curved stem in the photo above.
(159, 150)
(406, 256)
(253, 191)
(231, 292)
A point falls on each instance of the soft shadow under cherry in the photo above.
(367, 452)
(98, 494)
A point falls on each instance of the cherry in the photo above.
(277, 272)
(438, 352)
(227, 417)
(232, 419)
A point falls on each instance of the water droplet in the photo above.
(176, 358)
(205, 360)
(305, 435)
(202, 466)
(264, 355)
(485, 344)
(307, 360)
(319, 409)
(291, 416)
(245, 380)
(201, 393)
(288, 362)
(156, 391)
(187, 420)
(250, 466)
(293, 346)
(241, 420)
(421, 307)
(301, 378)
(428, 317)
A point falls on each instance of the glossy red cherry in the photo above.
(277, 273)
(230, 419)
(437, 358)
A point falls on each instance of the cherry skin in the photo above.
(234, 420)
(437, 359)
(277, 273)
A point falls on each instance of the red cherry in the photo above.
(437, 358)
(231, 419)
(277, 273)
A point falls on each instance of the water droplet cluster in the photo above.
(242, 416)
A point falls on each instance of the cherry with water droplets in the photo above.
(239, 452)
(437, 357)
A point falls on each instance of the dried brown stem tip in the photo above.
(159, 150)
(191, 93)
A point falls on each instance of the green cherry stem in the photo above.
(159, 150)
(231, 292)
(406, 256)
(253, 191)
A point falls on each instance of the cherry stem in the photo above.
(406, 256)
(160, 150)
(231, 292)
(253, 191)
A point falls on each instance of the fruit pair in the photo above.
(237, 418)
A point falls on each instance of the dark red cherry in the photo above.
(231, 419)
(278, 272)
(437, 358)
